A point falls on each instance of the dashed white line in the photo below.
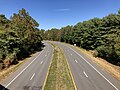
(44, 47)
(76, 61)
(85, 74)
(22, 71)
(32, 76)
(94, 68)
(41, 62)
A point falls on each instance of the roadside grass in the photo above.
(6, 72)
(59, 75)
(110, 68)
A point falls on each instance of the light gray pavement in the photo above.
(31, 75)
(87, 75)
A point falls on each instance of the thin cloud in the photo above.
(63, 10)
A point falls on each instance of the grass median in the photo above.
(59, 77)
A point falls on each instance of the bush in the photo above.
(109, 53)
(1, 66)
(101, 52)
(10, 59)
(1, 57)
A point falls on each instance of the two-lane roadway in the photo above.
(87, 75)
(31, 75)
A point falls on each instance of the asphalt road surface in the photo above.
(87, 75)
(31, 75)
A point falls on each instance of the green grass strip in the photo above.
(59, 77)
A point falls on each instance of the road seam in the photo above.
(94, 68)
(21, 72)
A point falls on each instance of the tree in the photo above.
(19, 37)
(101, 35)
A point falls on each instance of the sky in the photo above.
(59, 13)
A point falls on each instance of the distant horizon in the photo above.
(60, 13)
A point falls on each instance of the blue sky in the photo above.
(59, 13)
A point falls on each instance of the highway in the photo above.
(87, 75)
(31, 75)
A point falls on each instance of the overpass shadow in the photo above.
(32, 88)
(3, 88)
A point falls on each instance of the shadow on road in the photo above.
(32, 88)
(3, 88)
(23, 55)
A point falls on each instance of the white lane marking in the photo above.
(76, 61)
(85, 74)
(94, 69)
(21, 72)
(44, 48)
(41, 62)
(32, 76)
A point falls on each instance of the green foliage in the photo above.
(101, 35)
(52, 34)
(19, 37)
(108, 53)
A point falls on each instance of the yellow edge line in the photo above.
(70, 72)
(47, 72)
(68, 69)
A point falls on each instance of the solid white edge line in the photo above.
(21, 72)
(32, 76)
(94, 69)
(85, 74)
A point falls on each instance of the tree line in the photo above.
(99, 34)
(19, 37)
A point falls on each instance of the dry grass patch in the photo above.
(6, 72)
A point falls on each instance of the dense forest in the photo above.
(99, 34)
(19, 37)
